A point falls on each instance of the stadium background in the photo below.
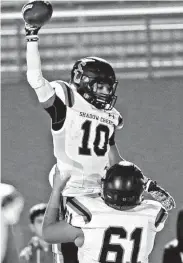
(143, 40)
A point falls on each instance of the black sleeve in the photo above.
(57, 112)
(112, 139)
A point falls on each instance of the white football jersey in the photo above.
(81, 146)
(111, 235)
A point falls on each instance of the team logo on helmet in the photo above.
(78, 72)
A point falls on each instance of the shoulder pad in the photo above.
(58, 87)
(64, 92)
(157, 212)
(120, 123)
(120, 119)
(161, 217)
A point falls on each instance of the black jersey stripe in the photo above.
(79, 209)
(160, 217)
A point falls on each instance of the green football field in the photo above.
(152, 137)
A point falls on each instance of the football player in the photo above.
(12, 204)
(84, 121)
(119, 227)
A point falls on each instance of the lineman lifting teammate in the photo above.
(119, 227)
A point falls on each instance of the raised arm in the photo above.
(114, 155)
(54, 106)
(35, 78)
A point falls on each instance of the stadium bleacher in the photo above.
(140, 38)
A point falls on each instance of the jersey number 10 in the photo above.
(86, 127)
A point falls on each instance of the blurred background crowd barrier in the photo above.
(142, 39)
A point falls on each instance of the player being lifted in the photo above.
(84, 120)
(120, 226)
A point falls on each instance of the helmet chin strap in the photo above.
(91, 100)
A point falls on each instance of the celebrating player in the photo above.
(119, 227)
(84, 120)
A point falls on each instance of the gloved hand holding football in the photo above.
(37, 13)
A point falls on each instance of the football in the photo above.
(37, 13)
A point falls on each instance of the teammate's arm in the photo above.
(160, 194)
(114, 155)
(54, 231)
(156, 191)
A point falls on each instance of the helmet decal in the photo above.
(78, 72)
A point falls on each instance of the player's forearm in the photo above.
(114, 155)
(52, 210)
(59, 231)
(34, 72)
(35, 78)
(56, 231)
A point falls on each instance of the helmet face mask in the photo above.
(123, 186)
(121, 201)
(95, 81)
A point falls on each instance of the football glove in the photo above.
(31, 32)
(159, 194)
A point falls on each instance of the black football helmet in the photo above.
(123, 186)
(88, 74)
